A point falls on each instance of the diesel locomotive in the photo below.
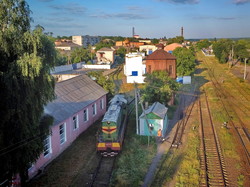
(110, 138)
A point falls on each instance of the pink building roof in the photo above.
(172, 46)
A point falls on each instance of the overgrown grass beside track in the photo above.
(133, 162)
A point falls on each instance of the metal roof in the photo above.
(158, 109)
(160, 54)
(73, 95)
(114, 109)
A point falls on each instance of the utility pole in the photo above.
(245, 69)
(136, 109)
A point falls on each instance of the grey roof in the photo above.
(158, 109)
(114, 109)
(73, 95)
(105, 49)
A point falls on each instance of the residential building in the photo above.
(86, 40)
(66, 45)
(161, 60)
(105, 56)
(155, 118)
(171, 47)
(149, 49)
(79, 103)
(134, 67)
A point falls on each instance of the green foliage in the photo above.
(241, 49)
(185, 61)
(26, 58)
(121, 52)
(158, 87)
(103, 81)
(155, 41)
(133, 163)
(203, 44)
(177, 39)
(240, 180)
(102, 44)
(221, 49)
(80, 55)
(60, 59)
(189, 173)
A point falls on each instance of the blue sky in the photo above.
(151, 18)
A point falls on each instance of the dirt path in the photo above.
(164, 147)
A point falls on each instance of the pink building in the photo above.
(79, 103)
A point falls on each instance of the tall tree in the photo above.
(80, 54)
(185, 61)
(158, 87)
(221, 49)
(26, 85)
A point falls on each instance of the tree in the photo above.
(221, 49)
(185, 61)
(103, 81)
(80, 55)
(121, 52)
(158, 87)
(203, 44)
(26, 85)
(102, 44)
(177, 39)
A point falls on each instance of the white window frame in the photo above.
(101, 103)
(63, 134)
(75, 122)
(94, 109)
(87, 115)
(47, 146)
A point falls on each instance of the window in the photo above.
(94, 109)
(170, 70)
(47, 146)
(85, 115)
(134, 73)
(101, 104)
(62, 132)
(75, 122)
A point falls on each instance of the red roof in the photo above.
(160, 54)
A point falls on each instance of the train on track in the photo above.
(110, 138)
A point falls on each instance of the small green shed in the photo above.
(157, 119)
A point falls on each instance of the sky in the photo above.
(150, 18)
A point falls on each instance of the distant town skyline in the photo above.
(150, 18)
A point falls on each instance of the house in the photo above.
(171, 47)
(134, 67)
(66, 45)
(78, 104)
(149, 49)
(86, 40)
(161, 60)
(105, 56)
(155, 118)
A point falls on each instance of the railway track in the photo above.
(103, 172)
(184, 114)
(231, 107)
(212, 162)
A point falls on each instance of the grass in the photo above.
(135, 159)
(240, 181)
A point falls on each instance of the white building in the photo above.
(135, 67)
(148, 48)
(86, 40)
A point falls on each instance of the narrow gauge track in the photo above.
(239, 128)
(212, 162)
